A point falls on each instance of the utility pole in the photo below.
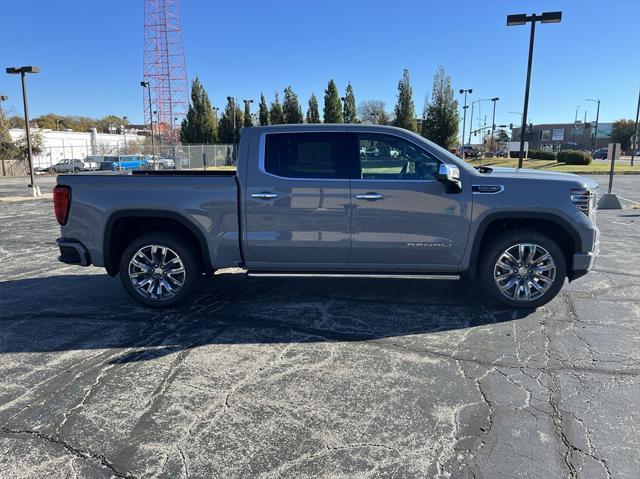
(464, 121)
(575, 121)
(635, 146)
(493, 121)
(147, 85)
(594, 139)
(2, 98)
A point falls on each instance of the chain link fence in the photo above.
(185, 157)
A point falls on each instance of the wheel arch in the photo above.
(552, 225)
(124, 226)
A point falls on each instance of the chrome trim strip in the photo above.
(450, 277)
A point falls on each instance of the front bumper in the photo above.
(73, 252)
(583, 262)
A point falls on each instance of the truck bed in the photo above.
(204, 201)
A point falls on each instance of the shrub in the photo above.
(574, 157)
(542, 155)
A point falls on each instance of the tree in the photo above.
(349, 111)
(621, 132)
(372, 111)
(332, 107)
(264, 111)
(247, 121)
(440, 122)
(8, 149)
(200, 124)
(291, 108)
(313, 113)
(276, 115)
(230, 123)
(405, 111)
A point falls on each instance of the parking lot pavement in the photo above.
(313, 378)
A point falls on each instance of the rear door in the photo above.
(297, 201)
(403, 218)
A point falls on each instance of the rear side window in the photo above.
(306, 155)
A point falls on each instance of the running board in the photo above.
(353, 275)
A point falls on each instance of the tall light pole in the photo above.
(147, 85)
(635, 146)
(522, 19)
(464, 116)
(575, 121)
(493, 121)
(23, 71)
(473, 103)
(594, 139)
(2, 98)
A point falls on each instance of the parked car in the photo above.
(162, 163)
(600, 154)
(471, 152)
(303, 202)
(132, 162)
(74, 166)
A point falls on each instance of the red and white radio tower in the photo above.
(164, 67)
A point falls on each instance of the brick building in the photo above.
(557, 136)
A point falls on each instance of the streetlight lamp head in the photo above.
(551, 17)
(518, 19)
(495, 99)
(4, 97)
(144, 84)
(25, 69)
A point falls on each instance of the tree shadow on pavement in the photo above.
(59, 313)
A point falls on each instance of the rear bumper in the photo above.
(73, 252)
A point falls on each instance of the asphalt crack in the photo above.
(86, 455)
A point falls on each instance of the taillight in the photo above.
(61, 203)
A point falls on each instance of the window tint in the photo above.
(305, 155)
(386, 157)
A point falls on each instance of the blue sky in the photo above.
(90, 53)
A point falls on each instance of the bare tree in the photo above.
(372, 111)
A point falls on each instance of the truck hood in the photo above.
(529, 174)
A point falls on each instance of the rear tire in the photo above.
(160, 270)
(523, 269)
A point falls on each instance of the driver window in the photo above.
(386, 157)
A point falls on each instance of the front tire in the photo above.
(160, 270)
(523, 269)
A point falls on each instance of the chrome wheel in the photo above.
(156, 272)
(524, 272)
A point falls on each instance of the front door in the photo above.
(297, 201)
(402, 216)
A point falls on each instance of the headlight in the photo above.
(585, 200)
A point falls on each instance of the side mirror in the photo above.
(450, 176)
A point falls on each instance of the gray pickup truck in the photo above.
(333, 201)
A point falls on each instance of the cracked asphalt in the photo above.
(297, 378)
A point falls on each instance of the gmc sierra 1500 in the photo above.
(333, 200)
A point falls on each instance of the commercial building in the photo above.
(557, 136)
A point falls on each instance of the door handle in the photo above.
(370, 196)
(264, 196)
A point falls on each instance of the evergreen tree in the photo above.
(200, 124)
(248, 121)
(8, 150)
(332, 107)
(291, 108)
(440, 123)
(313, 113)
(231, 123)
(405, 111)
(350, 115)
(276, 116)
(264, 111)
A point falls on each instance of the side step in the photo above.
(261, 274)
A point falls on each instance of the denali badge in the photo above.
(490, 189)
